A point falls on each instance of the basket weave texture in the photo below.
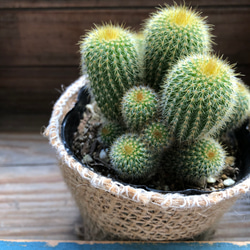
(111, 210)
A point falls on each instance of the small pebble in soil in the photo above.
(228, 182)
(220, 185)
(87, 159)
(230, 160)
(224, 177)
(103, 155)
(211, 179)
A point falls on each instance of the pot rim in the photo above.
(53, 133)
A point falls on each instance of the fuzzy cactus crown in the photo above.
(163, 89)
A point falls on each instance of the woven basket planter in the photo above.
(112, 210)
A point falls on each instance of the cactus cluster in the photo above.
(163, 91)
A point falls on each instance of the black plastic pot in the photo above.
(240, 139)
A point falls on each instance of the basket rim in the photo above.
(53, 133)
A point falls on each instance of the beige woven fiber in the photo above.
(111, 210)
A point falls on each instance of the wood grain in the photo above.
(112, 3)
(33, 90)
(49, 37)
(36, 204)
(39, 51)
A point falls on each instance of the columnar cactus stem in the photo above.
(109, 53)
(198, 97)
(171, 33)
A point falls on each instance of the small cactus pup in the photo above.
(196, 162)
(198, 96)
(110, 56)
(139, 106)
(171, 33)
(130, 158)
(109, 131)
(156, 136)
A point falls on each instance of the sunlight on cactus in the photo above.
(198, 96)
(171, 33)
(197, 161)
(110, 55)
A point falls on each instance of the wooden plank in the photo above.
(34, 200)
(11, 122)
(231, 37)
(27, 95)
(235, 224)
(24, 150)
(36, 204)
(111, 3)
(49, 37)
(24, 244)
(33, 90)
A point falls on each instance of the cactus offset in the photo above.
(171, 33)
(156, 136)
(196, 162)
(139, 106)
(109, 53)
(198, 97)
(130, 157)
(109, 132)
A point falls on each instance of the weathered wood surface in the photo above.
(36, 204)
(49, 37)
(111, 3)
(39, 52)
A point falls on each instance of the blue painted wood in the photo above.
(34, 245)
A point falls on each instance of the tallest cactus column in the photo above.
(110, 56)
(171, 33)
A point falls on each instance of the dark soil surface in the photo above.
(89, 149)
